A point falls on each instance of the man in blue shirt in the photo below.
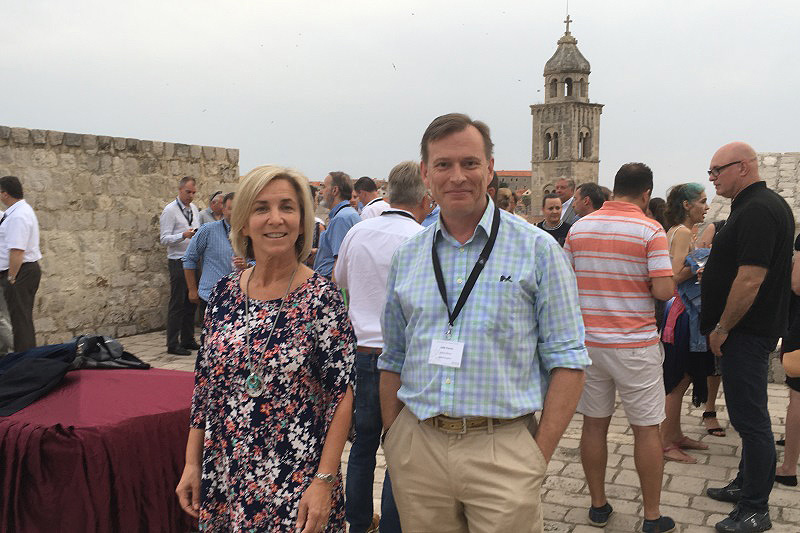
(211, 251)
(481, 328)
(337, 189)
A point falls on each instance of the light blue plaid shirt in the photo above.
(522, 320)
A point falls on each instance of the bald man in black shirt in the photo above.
(745, 295)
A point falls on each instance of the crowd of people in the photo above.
(436, 323)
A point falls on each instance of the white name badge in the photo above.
(446, 353)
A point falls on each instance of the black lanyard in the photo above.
(401, 213)
(473, 276)
(188, 217)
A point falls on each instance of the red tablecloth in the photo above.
(102, 452)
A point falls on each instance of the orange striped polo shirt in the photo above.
(615, 251)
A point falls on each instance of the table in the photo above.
(102, 452)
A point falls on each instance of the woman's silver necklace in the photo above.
(254, 384)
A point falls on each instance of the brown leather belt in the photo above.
(449, 424)
(369, 350)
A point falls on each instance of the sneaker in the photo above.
(740, 521)
(663, 524)
(598, 516)
(729, 493)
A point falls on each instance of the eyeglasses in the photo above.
(717, 170)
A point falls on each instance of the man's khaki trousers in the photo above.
(486, 480)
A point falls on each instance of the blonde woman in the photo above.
(273, 399)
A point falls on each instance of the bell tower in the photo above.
(566, 127)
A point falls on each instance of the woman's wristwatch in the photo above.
(327, 478)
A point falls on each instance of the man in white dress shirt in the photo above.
(362, 269)
(179, 222)
(565, 189)
(367, 193)
(19, 261)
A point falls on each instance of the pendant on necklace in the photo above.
(254, 385)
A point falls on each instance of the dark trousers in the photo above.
(745, 365)
(361, 462)
(19, 298)
(180, 314)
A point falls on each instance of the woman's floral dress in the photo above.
(260, 454)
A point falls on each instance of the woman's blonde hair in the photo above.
(250, 187)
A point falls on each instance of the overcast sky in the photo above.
(351, 85)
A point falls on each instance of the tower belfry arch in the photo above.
(566, 127)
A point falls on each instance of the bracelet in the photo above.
(327, 478)
(719, 329)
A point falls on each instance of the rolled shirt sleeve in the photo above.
(393, 325)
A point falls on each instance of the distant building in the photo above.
(515, 179)
(566, 127)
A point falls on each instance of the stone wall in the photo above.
(98, 200)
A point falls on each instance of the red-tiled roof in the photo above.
(510, 173)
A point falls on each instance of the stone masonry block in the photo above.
(90, 142)
(132, 145)
(5, 132)
(55, 138)
(169, 150)
(146, 146)
(21, 135)
(73, 139)
(181, 150)
(233, 155)
(104, 142)
(220, 153)
(39, 136)
(195, 151)
(208, 152)
(119, 143)
(157, 148)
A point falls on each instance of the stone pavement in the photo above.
(565, 495)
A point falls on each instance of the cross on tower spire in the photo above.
(567, 21)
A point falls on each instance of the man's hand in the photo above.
(189, 233)
(715, 341)
(193, 296)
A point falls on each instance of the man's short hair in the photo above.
(593, 192)
(633, 179)
(11, 186)
(451, 123)
(405, 184)
(227, 197)
(365, 183)
(185, 180)
(495, 183)
(570, 182)
(343, 182)
(549, 196)
(606, 192)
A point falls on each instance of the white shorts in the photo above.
(638, 376)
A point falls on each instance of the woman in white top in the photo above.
(686, 207)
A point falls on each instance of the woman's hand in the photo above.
(188, 490)
(315, 507)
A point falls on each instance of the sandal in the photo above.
(690, 444)
(682, 457)
(717, 431)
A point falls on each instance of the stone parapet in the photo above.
(98, 199)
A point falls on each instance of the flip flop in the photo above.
(687, 459)
(690, 444)
(717, 431)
